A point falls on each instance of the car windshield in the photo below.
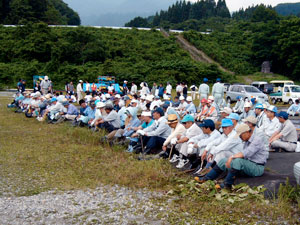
(251, 89)
(295, 89)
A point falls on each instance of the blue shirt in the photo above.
(255, 150)
(82, 110)
(90, 113)
(72, 110)
(145, 125)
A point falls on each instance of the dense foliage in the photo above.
(245, 45)
(67, 54)
(287, 9)
(183, 11)
(49, 11)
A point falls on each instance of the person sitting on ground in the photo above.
(155, 135)
(176, 129)
(222, 147)
(247, 111)
(294, 109)
(169, 110)
(272, 124)
(88, 115)
(203, 109)
(182, 106)
(212, 112)
(190, 108)
(235, 118)
(54, 110)
(70, 114)
(111, 121)
(286, 137)
(100, 112)
(251, 161)
(176, 102)
(239, 105)
(88, 97)
(83, 106)
(260, 115)
(225, 112)
(181, 142)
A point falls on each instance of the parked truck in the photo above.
(288, 94)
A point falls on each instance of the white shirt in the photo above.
(133, 89)
(203, 89)
(87, 87)
(79, 88)
(169, 89)
(271, 126)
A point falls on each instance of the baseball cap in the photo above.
(250, 119)
(259, 106)
(272, 108)
(208, 123)
(80, 81)
(181, 98)
(133, 101)
(218, 79)
(205, 80)
(53, 100)
(233, 116)
(238, 97)
(100, 104)
(187, 118)
(204, 100)
(65, 103)
(212, 98)
(242, 128)
(149, 98)
(159, 110)
(226, 110)
(166, 105)
(226, 123)
(117, 96)
(283, 115)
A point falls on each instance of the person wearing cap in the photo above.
(100, 112)
(79, 91)
(225, 112)
(125, 88)
(218, 91)
(153, 89)
(111, 121)
(147, 122)
(251, 121)
(169, 89)
(182, 106)
(247, 110)
(294, 109)
(204, 89)
(235, 118)
(88, 97)
(176, 129)
(190, 108)
(184, 90)
(175, 102)
(133, 89)
(88, 115)
(250, 161)
(272, 124)
(203, 109)
(154, 136)
(54, 109)
(161, 90)
(260, 115)
(72, 111)
(285, 138)
(45, 85)
(155, 103)
(239, 105)
(212, 112)
(182, 139)
(222, 147)
(111, 89)
(87, 87)
(169, 110)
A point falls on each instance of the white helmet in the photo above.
(181, 98)
(100, 105)
(189, 99)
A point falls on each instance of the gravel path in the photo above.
(104, 205)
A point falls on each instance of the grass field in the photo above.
(36, 157)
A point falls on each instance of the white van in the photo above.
(279, 84)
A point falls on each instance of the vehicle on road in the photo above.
(279, 84)
(263, 86)
(245, 91)
(288, 94)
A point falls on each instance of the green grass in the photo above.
(37, 157)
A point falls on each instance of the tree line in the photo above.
(54, 12)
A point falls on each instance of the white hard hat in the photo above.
(107, 95)
(143, 97)
(46, 77)
(212, 98)
(149, 98)
(134, 101)
(247, 104)
(189, 99)
(146, 113)
(181, 98)
(117, 96)
(100, 104)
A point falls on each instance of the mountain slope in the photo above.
(286, 9)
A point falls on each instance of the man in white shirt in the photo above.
(87, 86)
(169, 89)
(79, 91)
(133, 89)
(204, 89)
(272, 124)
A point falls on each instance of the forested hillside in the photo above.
(286, 9)
(183, 11)
(49, 11)
(67, 54)
(244, 45)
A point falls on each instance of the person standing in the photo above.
(133, 89)
(184, 90)
(87, 86)
(193, 91)
(37, 87)
(169, 89)
(125, 88)
(153, 90)
(71, 88)
(94, 88)
(161, 90)
(218, 91)
(179, 89)
(79, 91)
(45, 85)
(204, 89)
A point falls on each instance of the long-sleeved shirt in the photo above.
(113, 119)
(190, 108)
(159, 128)
(218, 90)
(90, 113)
(293, 109)
(45, 84)
(192, 131)
(72, 110)
(239, 106)
(58, 107)
(254, 150)
(133, 89)
(79, 88)
(289, 132)
(179, 129)
(135, 122)
(244, 115)
(169, 89)
(203, 89)
(271, 126)
(203, 140)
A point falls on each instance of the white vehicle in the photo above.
(279, 84)
(288, 94)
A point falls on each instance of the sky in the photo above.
(235, 5)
